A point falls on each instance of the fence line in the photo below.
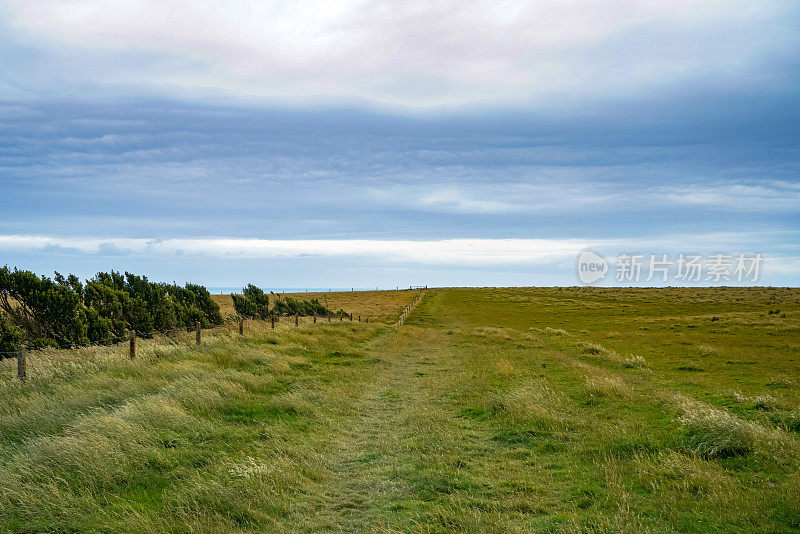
(238, 323)
(408, 309)
(23, 352)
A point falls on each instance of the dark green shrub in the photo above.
(259, 299)
(10, 337)
(133, 302)
(106, 308)
(201, 300)
(253, 303)
(42, 308)
(244, 307)
(290, 306)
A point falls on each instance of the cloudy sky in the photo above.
(364, 143)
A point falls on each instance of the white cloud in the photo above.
(408, 53)
(446, 251)
(788, 266)
(454, 200)
(432, 252)
(572, 197)
(767, 196)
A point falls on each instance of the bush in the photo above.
(64, 311)
(290, 306)
(253, 303)
(43, 309)
(201, 299)
(244, 307)
(10, 337)
(146, 306)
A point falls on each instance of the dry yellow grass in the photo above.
(377, 306)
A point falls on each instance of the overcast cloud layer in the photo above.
(356, 144)
(406, 53)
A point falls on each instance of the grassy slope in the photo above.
(492, 410)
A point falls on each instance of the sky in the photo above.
(381, 144)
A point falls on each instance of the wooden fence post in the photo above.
(359, 318)
(315, 317)
(197, 331)
(351, 317)
(329, 317)
(241, 326)
(133, 344)
(296, 319)
(22, 364)
(272, 320)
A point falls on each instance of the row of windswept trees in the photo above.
(253, 303)
(64, 311)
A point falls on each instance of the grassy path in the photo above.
(367, 442)
(424, 447)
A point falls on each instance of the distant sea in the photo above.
(228, 290)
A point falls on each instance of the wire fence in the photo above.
(408, 309)
(56, 353)
(101, 342)
(116, 342)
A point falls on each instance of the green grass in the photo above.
(520, 410)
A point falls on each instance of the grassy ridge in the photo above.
(491, 410)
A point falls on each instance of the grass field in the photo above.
(491, 410)
(375, 306)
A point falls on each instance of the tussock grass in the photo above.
(764, 401)
(707, 350)
(685, 475)
(553, 331)
(599, 352)
(593, 348)
(503, 366)
(535, 402)
(781, 382)
(634, 361)
(717, 433)
(607, 384)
